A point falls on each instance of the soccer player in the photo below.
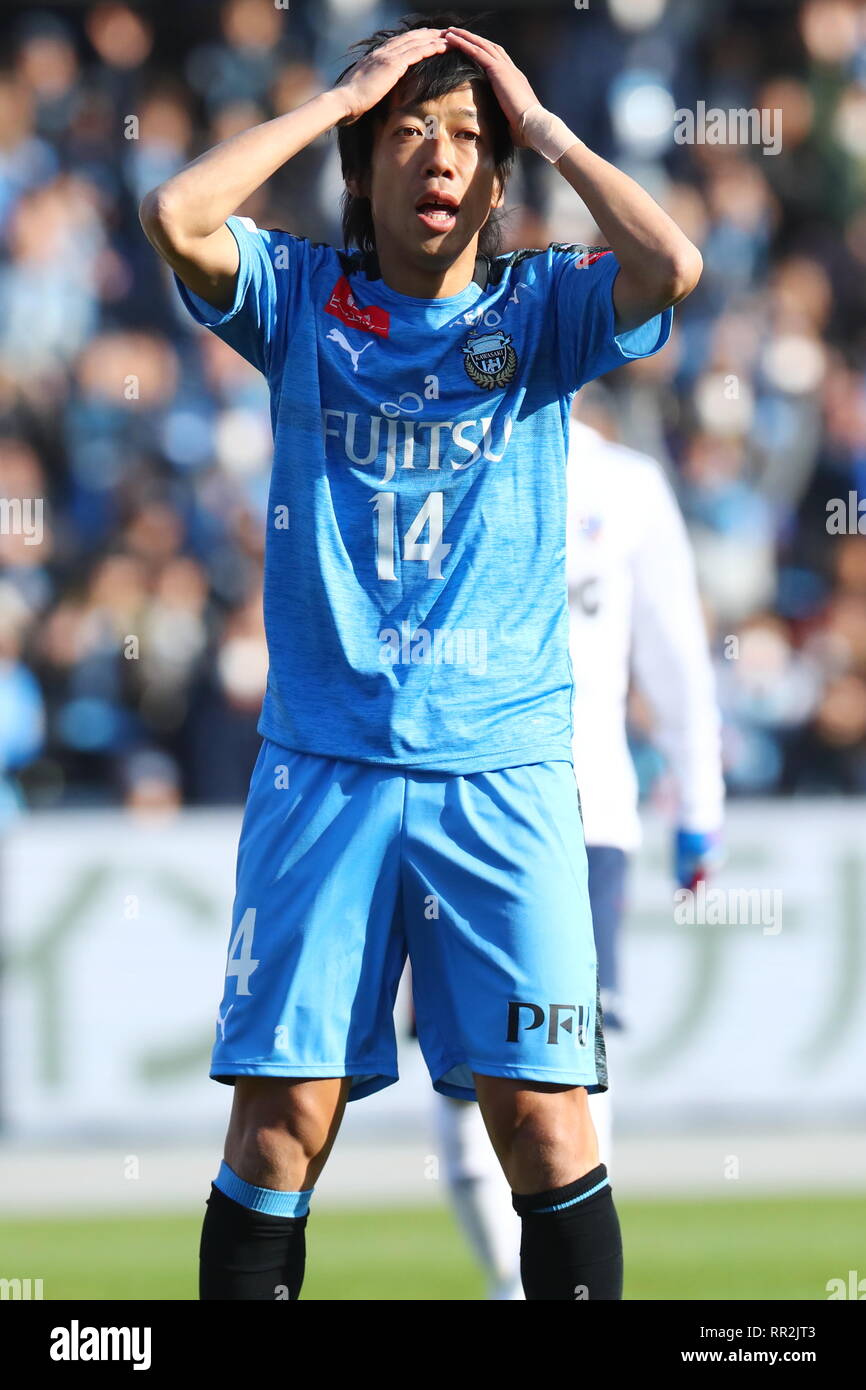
(415, 788)
(635, 610)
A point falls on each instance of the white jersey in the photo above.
(634, 608)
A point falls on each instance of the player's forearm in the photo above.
(196, 201)
(659, 262)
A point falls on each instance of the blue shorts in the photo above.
(343, 867)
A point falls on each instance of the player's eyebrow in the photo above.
(415, 108)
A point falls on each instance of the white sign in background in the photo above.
(760, 1019)
(114, 935)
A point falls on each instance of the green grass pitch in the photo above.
(760, 1248)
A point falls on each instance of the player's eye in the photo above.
(473, 134)
(407, 130)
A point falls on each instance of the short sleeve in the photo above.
(267, 294)
(584, 318)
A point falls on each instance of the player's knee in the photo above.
(547, 1139)
(544, 1131)
(279, 1131)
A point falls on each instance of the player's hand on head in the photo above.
(696, 854)
(373, 76)
(510, 86)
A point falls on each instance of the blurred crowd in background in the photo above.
(132, 658)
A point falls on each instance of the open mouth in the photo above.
(437, 214)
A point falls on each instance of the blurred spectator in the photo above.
(131, 640)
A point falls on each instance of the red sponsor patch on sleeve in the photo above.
(342, 304)
(588, 257)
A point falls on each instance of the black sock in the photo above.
(574, 1251)
(246, 1254)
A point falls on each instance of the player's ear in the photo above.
(498, 194)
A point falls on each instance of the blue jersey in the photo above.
(415, 597)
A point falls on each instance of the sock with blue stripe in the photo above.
(253, 1243)
(571, 1247)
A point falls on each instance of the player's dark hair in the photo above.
(425, 81)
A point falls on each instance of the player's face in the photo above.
(433, 180)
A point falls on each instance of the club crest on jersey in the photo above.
(489, 359)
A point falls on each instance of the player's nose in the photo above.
(438, 158)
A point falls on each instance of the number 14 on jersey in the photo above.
(432, 551)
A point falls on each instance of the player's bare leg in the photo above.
(281, 1131)
(280, 1134)
(545, 1140)
(480, 1192)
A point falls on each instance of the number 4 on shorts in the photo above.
(243, 964)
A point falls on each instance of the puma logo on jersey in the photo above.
(222, 1020)
(336, 336)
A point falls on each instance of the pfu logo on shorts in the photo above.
(489, 359)
(567, 1018)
